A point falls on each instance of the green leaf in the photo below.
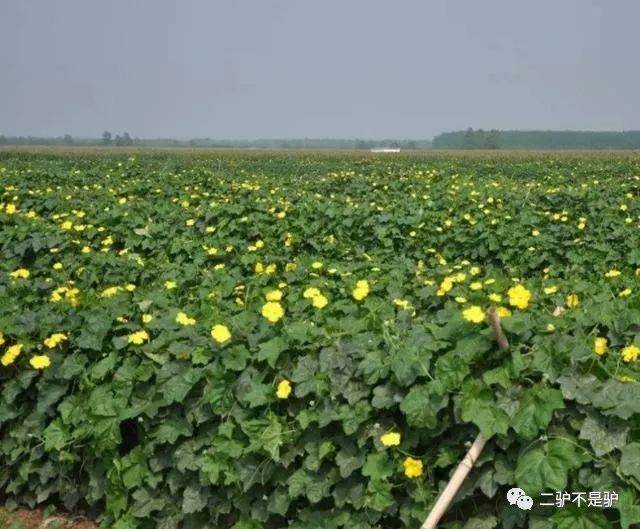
(605, 435)
(629, 509)
(172, 428)
(537, 405)
(378, 466)
(194, 499)
(546, 467)
(572, 517)
(481, 522)
(379, 496)
(617, 398)
(478, 406)
(421, 405)
(630, 460)
(270, 351)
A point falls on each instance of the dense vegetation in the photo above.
(536, 139)
(265, 341)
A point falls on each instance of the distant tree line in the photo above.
(125, 140)
(536, 139)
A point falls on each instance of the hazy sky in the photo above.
(327, 68)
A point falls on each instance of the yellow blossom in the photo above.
(625, 293)
(110, 292)
(55, 339)
(319, 301)
(317, 265)
(274, 295)
(613, 273)
(600, 346)
(311, 293)
(22, 273)
(551, 290)
(138, 337)
(146, 318)
(284, 389)
(551, 327)
(272, 311)
(474, 314)
(220, 333)
(572, 300)
(630, 353)
(390, 439)
(169, 285)
(40, 361)
(476, 285)
(11, 354)
(362, 290)
(412, 467)
(519, 297)
(495, 297)
(183, 319)
(503, 312)
(57, 266)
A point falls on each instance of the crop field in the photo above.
(266, 341)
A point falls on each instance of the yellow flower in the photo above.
(495, 297)
(66, 225)
(503, 312)
(10, 209)
(402, 303)
(130, 287)
(476, 285)
(57, 266)
(146, 318)
(412, 467)
(183, 319)
(311, 293)
(445, 286)
(474, 314)
(613, 273)
(460, 299)
(110, 292)
(600, 346)
(20, 273)
(190, 222)
(519, 297)
(551, 290)
(474, 271)
(169, 285)
(290, 267)
(1, 338)
(273, 311)
(390, 439)
(317, 265)
(572, 300)
(630, 353)
(55, 339)
(220, 333)
(535, 233)
(625, 293)
(362, 290)
(551, 327)
(11, 354)
(270, 269)
(40, 361)
(274, 295)
(85, 249)
(319, 301)
(138, 337)
(284, 389)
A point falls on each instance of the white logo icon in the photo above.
(518, 497)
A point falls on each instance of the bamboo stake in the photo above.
(469, 460)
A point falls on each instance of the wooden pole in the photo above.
(465, 466)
